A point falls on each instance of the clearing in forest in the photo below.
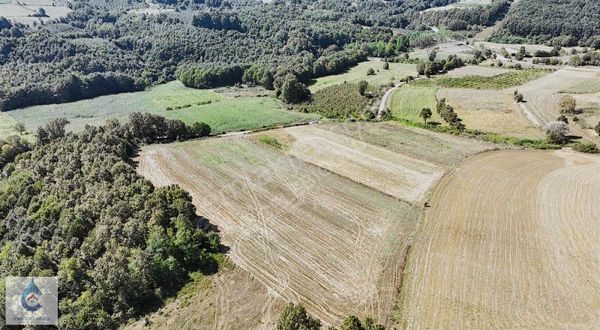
(510, 241)
(358, 73)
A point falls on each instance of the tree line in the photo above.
(102, 47)
(73, 206)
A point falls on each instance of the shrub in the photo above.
(370, 72)
(294, 317)
(556, 132)
(587, 147)
(567, 104)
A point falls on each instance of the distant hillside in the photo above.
(562, 22)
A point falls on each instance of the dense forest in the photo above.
(102, 47)
(458, 19)
(556, 22)
(74, 207)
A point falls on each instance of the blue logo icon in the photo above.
(30, 298)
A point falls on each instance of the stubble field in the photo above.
(509, 242)
(300, 222)
(306, 234)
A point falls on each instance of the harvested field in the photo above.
(491, 111)
(306, 234)
(437, 148)
(543, 95)
(510, 242)
(394, 174)
(213, 302)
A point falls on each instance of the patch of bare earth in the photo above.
(510, 242)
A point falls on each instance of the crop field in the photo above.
(408, 101)
(306, 234)
(212, 302)
(317, 214)
(444, 49)
(477, 70)
(510, 242)
(491, 111)
(396, 72)
(505, 80)
(394, 174)
(543, 95)
(441, 149)
(222, 113)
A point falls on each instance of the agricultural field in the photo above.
(445, 49)
(588, 86)
(212, 302)
(408, 101)
(436, 148)
(306, 234)
(22, 11)
(491, 111)
(460, 4)
(313, 214)
(358, 73)
(542, 96)
(477, 70)
(394, 174)
(501, 81)
(223, 113)
(508, 245)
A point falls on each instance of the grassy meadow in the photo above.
(408, 101)
(222, 113)
(397, 71)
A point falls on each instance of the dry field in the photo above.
(312, 218)
(306, 234)
(441, 149)
(510, 242)
(392, 173)
(542, 95)
(492, 111)
(215, 302)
